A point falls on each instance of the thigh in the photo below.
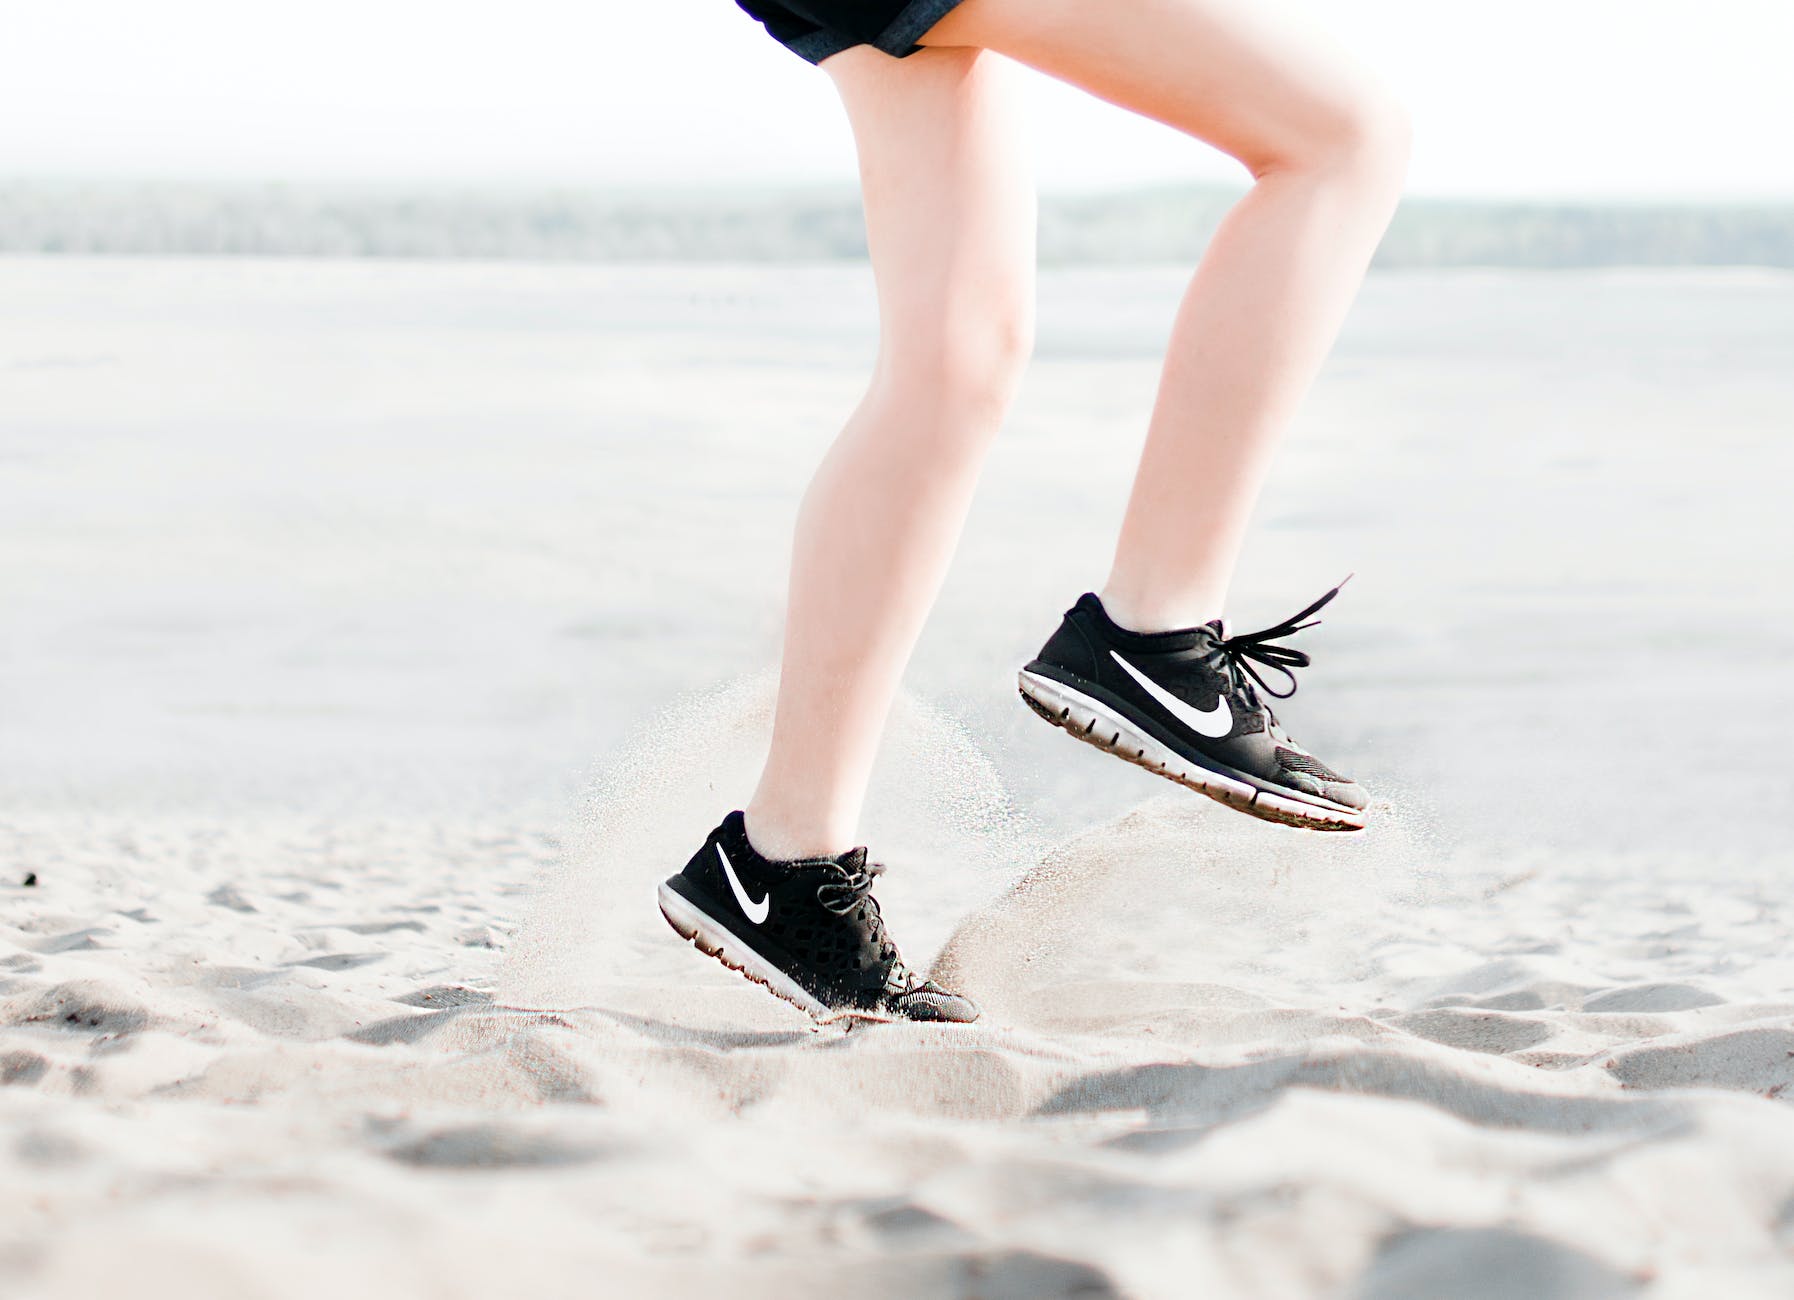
(948, 192)
(1256, 81)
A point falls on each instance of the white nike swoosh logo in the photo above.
(1214, 723)
(755, 912)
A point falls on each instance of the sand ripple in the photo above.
(1218, 1060)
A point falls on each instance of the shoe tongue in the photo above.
(1218, 626)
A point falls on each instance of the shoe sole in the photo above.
(1095, 723)
(714, 939)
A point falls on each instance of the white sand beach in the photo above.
(375, 636)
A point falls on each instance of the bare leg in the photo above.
(950, 221)
(1328, 150)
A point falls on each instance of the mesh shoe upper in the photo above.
(1297, 760)
(1197, 690)
(817, 921)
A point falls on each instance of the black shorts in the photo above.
(815, 29)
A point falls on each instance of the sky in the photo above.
(1628, 99)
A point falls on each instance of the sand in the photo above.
(1248, 1068)
(355, 700)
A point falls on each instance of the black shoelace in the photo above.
(850, 889)
(846, 893)
(1261, 645)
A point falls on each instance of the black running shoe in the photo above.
(1186, 704)
(809, 930)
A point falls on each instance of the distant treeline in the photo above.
(1167, 224)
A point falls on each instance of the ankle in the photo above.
(1136, 612)
(780, 838)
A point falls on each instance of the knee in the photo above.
(983, 356)
(1378, 137)
(1364, 134)
(966, 363)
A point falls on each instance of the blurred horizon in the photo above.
(1131, 224)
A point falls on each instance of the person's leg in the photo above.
(950, 220)
(1327, 149)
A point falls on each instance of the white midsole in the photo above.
(1096, 721)
(695, 924)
